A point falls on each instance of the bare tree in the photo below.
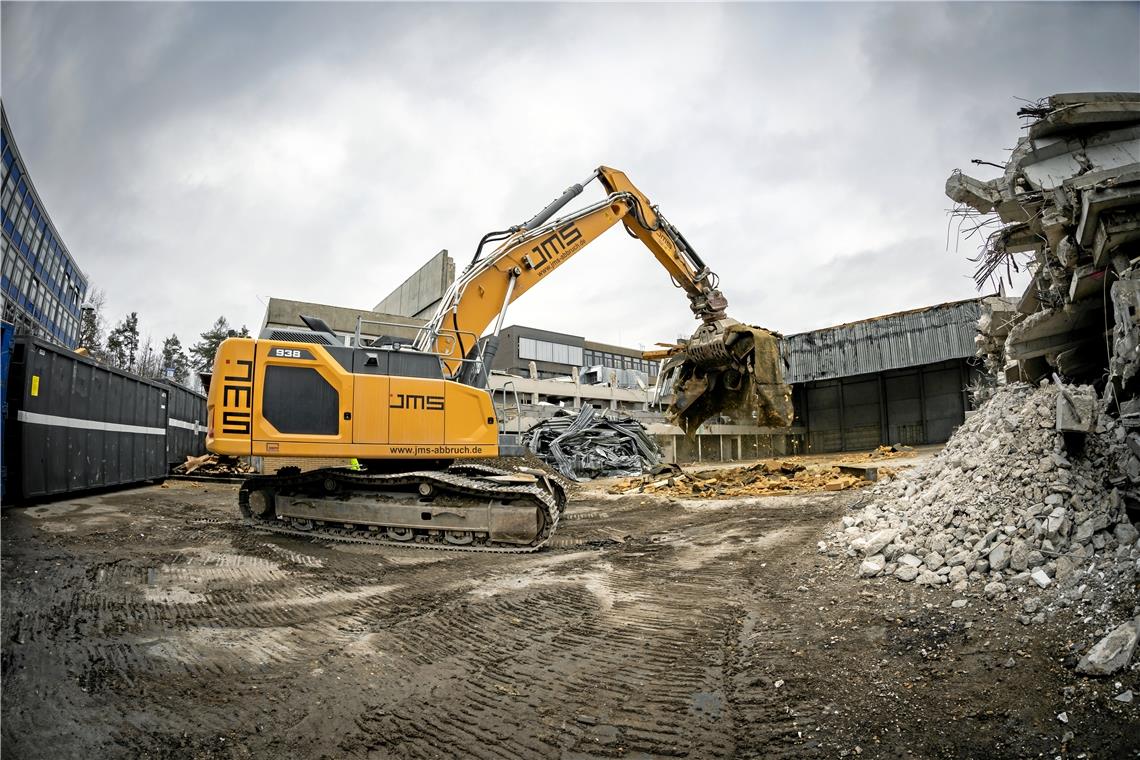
(149, 360)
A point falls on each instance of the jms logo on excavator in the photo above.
(237, 393)
(414, 401)
(563, 240)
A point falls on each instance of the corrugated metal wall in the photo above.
(909, 339)
(916, 405)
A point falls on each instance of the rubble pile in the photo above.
(762, 479)
(1004, 507)
(593, 444)
(213, 464)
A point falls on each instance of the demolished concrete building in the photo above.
(1069, 198)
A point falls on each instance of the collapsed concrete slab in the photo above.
(1069, 196)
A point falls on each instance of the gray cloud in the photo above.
(199, 157)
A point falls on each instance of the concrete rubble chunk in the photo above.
(981, 196)
(986, 539)
(906, 573)
(1019, 556)
(910, 560)
(999, 557)
(927, 578)
(1056, 521)
(1084, 532)
(1041, 578)
(1126, 532)
(1113, 652)
(872, 566)
(877, 541)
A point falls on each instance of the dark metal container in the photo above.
(185, 423)
(75, 425)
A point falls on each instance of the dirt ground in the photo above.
(149, 623)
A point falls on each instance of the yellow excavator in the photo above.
(419, 416)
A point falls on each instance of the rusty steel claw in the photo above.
(729, 369)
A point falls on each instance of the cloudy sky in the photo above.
(198, 159)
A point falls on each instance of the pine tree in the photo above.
(91, 323)
(174, 358)
(123, 343)
(206, 349)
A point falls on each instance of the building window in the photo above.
(545, 351)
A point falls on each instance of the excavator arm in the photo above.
(725, 367)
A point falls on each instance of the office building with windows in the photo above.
(558, 354)
(43, 287)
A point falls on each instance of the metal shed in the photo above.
(899, 378)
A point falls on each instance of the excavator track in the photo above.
(456, 493)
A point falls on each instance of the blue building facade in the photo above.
(42, 285)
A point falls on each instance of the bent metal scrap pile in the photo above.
(593, 444)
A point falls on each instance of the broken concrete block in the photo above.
(999, 556)
(1065, 568)
(872, 566)
(1019, 556)
(877, 541)
(993, 589)
(906, 573)
(1076, 410)
(1113, 652)
(1126, 533)
(1084, 532)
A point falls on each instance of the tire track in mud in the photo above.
(642, 634)
(637, 652)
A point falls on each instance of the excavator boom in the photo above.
(725, 368)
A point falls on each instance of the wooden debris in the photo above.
(213, 464)
(762, 479)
